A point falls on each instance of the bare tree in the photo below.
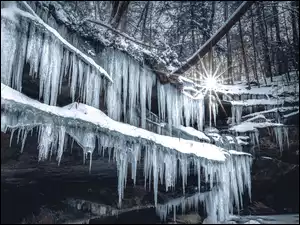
(262, 31)
(229, 57)
(254, 47)
(244, 55)
(279, 52)
(119, 8)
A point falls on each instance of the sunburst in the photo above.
(210, 83)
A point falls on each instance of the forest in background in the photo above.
(263, 43)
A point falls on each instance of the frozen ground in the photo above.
(267, 219)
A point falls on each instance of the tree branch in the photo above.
(120, 33)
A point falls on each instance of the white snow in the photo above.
(234, 152)
(291, 114)
(242, 140)
(265, 157)
(251, 102)
(262, 117)
(192, 131)
(281, 109)
(250, 126)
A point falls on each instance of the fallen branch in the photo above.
(120, 33)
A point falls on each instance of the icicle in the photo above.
(279, 136)
(9, 42)
(18, 135)
(11, 137)
(286, 134)
(46, 138)
(183, 166)
(151, 81)
(44, 70)
(161, 95)
(125, 86)
(74, 76)
(91, 157)
(61, 142)
(155, 173)
(187, 109)
(133, 88)
(114, 90)
(80, 77)
(24, 139)
(122, 160)
(20, 57)
(143, 89)
(135, 154)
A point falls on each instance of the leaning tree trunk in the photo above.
(244, 55)
(239, 12)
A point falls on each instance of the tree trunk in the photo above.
(119, 8)
(262, 31)
(279, 52)
(244, 55)
(145, 20)
(215, 38)
(192, 26)
(140, 19)
(295, 34)
(254, 48)
(273, 51)
(213, 10)
(229, 57)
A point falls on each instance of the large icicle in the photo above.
(143, 89)
(133, 88)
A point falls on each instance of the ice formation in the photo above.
(281, 136)
(50, 57)
(233, 178)
(173, 105)
(237, 111)
(53, 60)
(91, 125)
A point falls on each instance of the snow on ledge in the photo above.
(250, 126)
(251, 102)
(282, 110)
(98, 118)
(234, 152)
(193, 132)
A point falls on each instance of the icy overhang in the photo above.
(90, 116)
(251, 102)
(250, 126)
(12, 12)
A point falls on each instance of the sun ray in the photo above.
(219, 100)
